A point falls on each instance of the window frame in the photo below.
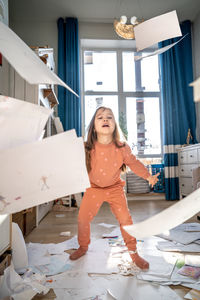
(120, 93)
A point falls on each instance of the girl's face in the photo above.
(104, 122)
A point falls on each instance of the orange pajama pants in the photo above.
(90, 205)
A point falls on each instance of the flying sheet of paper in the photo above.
(42, 171)
(21, 122)
(159, 51)
(196, 89)
(168, 218)
(157, 29)
(25, 61)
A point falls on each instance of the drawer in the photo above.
(192, 156)
(186, 170)
(183, 157)
(186, 186)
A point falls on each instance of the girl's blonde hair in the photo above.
(92, 138)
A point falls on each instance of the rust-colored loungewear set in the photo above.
(106, 185)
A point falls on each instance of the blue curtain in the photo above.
(69, 109)
(178, 108)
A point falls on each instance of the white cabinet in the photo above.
(188, 159)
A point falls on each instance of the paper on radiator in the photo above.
(157, 29)
(42, 171)
(25, 61)
(20, 122)
(168, 218)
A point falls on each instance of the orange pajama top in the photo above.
(106, 162)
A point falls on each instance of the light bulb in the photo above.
(133, 20)
(123, 19)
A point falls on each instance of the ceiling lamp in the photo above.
(124, 30)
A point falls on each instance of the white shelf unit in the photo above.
(42, 94)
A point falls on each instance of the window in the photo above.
(100, 71)
(92, 102)
(131, 88)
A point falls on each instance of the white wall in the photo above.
(46, 33)
(196, 62)
(37, 33)
(102, 31)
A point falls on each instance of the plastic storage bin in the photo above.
(159, 187)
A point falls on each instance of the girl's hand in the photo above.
(153, 179)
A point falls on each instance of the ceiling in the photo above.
(101, 11)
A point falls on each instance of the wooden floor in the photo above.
(50, 227)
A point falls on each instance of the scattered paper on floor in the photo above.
(43, 250)
(11, 284)
(157, 29)
(178, 247)
(57, 264)
(127, 287)
(194, 295)
(178, 235)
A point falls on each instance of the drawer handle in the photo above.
(182, 157)
(191, 155)
(182, 170)
(183, 184)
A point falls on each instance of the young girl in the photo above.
(106, 157)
